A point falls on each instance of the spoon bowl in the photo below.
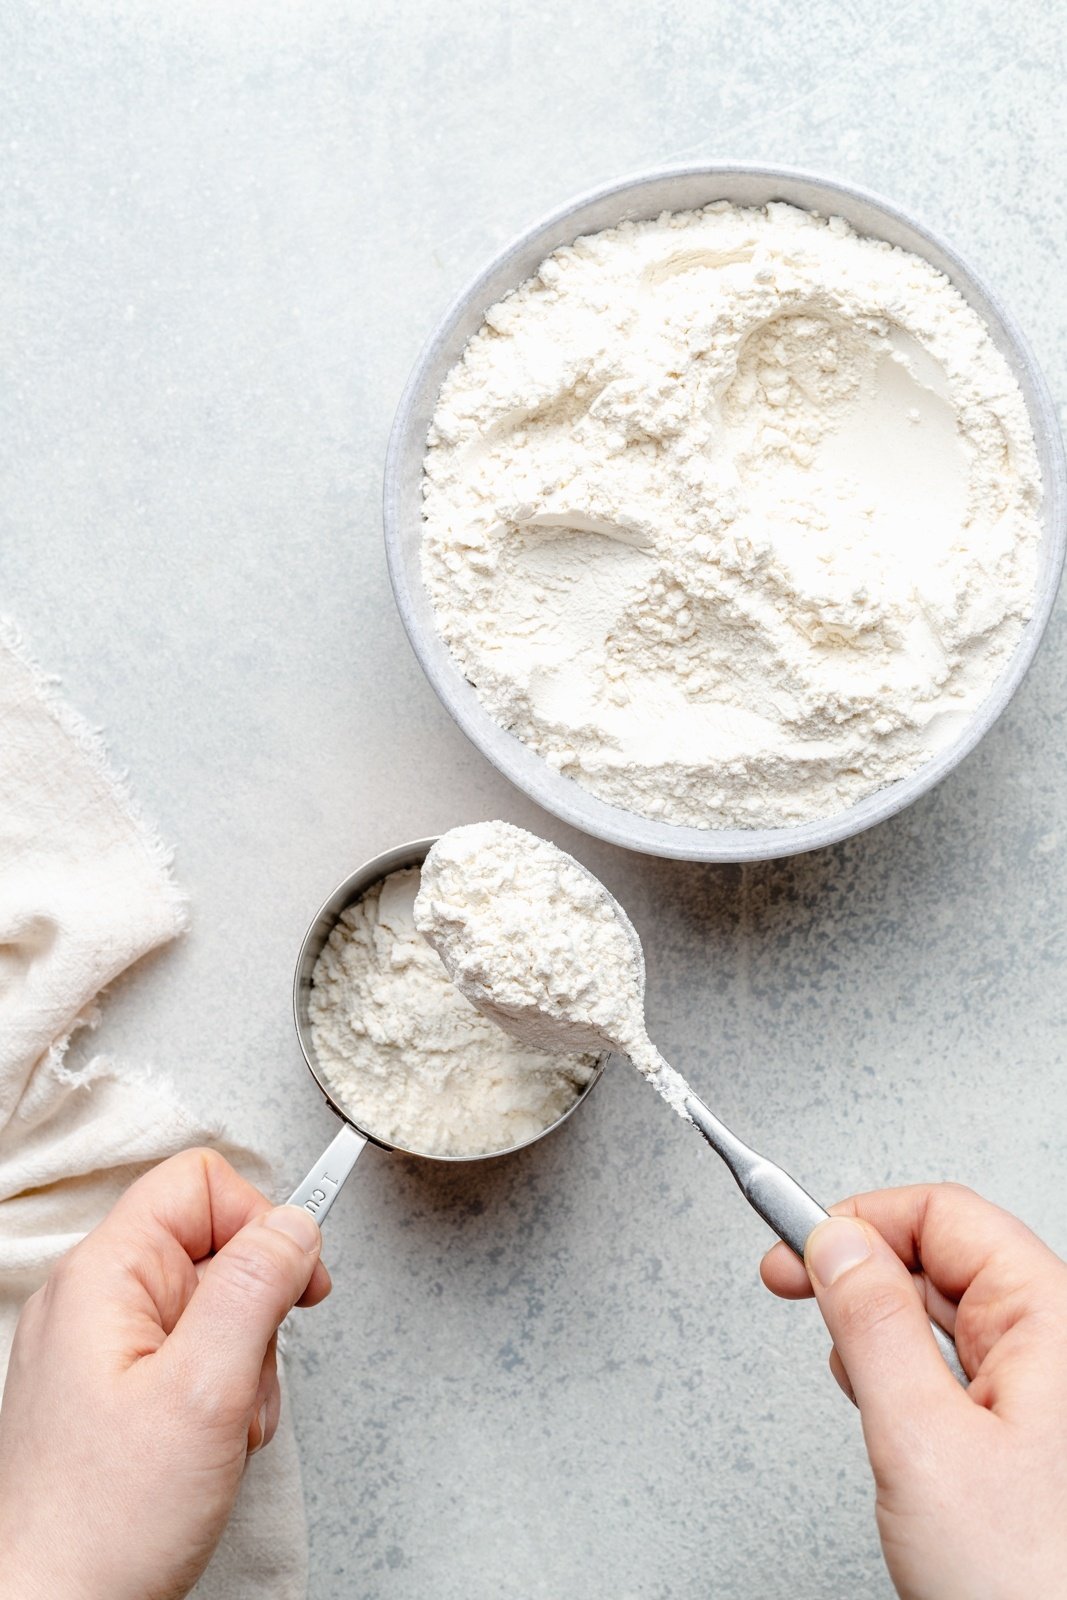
(782, 1203)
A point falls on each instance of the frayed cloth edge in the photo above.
(90, 742)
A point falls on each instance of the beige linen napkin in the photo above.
(84, 891)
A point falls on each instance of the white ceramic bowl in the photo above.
(682, 189)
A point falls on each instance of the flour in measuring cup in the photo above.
(408, 1058)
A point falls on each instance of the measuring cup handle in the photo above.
(323, 1183)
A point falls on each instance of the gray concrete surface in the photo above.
(224, 231)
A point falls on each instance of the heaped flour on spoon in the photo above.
(732, 516)
(538, 945)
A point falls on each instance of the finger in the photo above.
(960, 1247)
(785, 1274)
(948, 1232)
(141, 1258)
(973, 1255)
(943, 1229)
(220, 1341)
(144, 1260)
(317, 1290)
(268, 1377)
(196, 1197)
(320, 1286)
(269, 1418)
(938, 1306)
(837, 1367)
(881, 1331)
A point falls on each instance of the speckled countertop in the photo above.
(224, 231)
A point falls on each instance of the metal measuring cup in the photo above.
(323, 1183)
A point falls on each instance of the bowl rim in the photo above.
(564, 797)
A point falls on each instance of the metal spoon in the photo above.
(782, 1203)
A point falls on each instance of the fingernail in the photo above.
(834, 1248)
(261, 1424)
(298, 1224)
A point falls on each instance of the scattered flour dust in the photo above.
(408, 1057)
(732, 515)
(536, 943)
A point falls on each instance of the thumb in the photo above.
(880, 1328)
(248, 1287)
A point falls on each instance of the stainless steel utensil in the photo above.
(779, 1199)
(768, 1188)
(783, 1204)
(787, 1208)
(322, 1184)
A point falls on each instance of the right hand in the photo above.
(971, 1484)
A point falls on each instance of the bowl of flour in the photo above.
(395, 1047)
(725, 512)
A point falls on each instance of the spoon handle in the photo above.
(782, 1203)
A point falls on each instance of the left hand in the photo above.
(142, 1376)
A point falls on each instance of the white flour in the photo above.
(732, 516)
(534, 941)
(408, 1057)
